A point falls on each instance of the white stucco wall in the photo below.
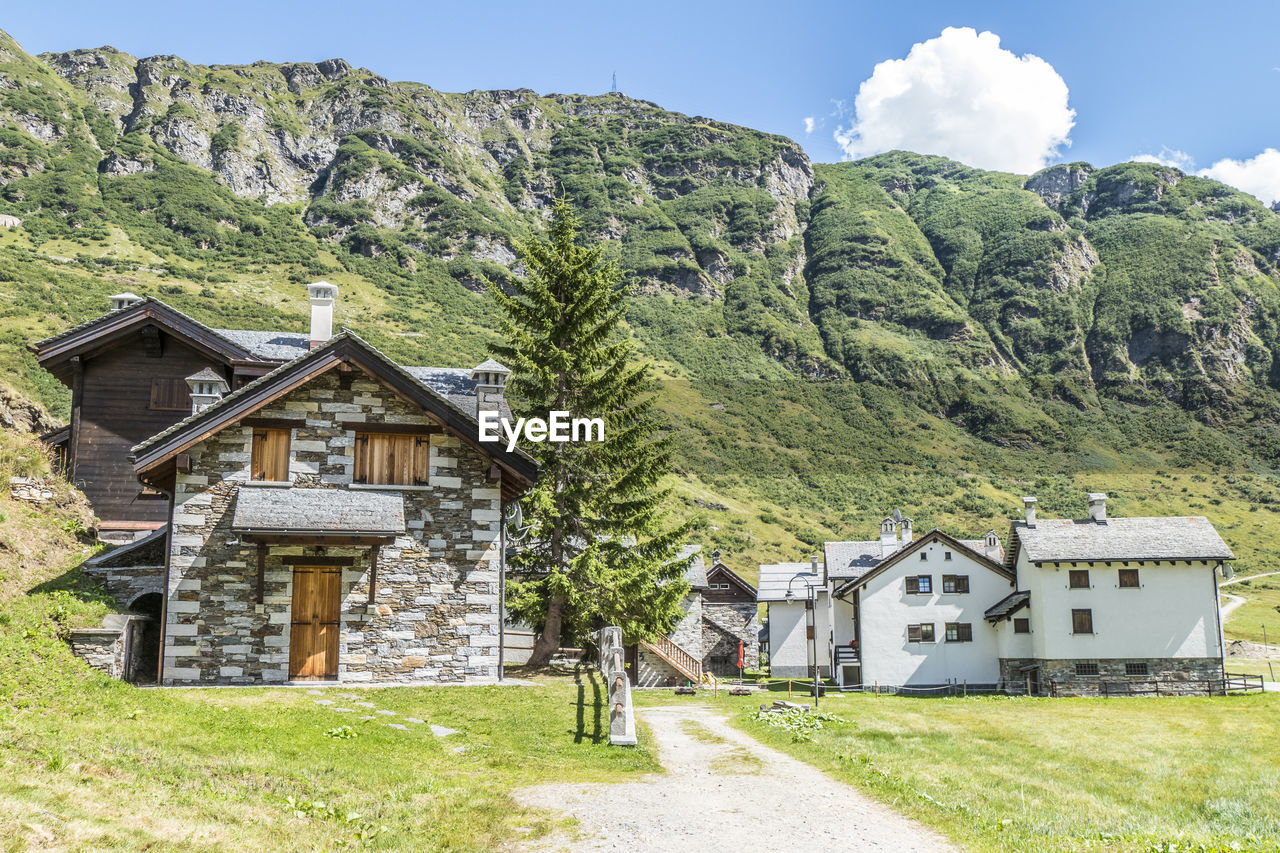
(790, 650)
(887, 609)
(1172, 614)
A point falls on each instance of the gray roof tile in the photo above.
(852, 559)
(775, 578)
(1168, 538)
(263, 510)
(696, 573)
(1007, 606)
(269, 346)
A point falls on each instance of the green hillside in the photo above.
(833, 340)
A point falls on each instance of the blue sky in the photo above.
(1140, 77)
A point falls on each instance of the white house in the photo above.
(1103, 601)
(793, 595)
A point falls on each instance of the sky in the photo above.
(1012, 86)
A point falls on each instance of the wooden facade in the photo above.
(738, 591)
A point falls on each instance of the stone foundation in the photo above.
(113, 648)
(1188, 676)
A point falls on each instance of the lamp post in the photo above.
(810, 611)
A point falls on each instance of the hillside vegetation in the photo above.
(833, 340)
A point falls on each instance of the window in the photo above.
(946, 555)
(959, 632)
(955, 583)
(391, 459)
(270, 457)
(923, 556)
(170, 395)
(1086, 669)
(1022, 626)
(920, 633)
(920, 585)
(1082, 621)
(1079, 578)
(1136, 669)
(719, 586)
(1129, 579)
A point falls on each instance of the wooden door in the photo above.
(313, 641)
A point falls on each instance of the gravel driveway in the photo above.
(723, 790)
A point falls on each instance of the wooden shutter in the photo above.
(1082, 621)
(913, 585)
(1022, 626)
(421, 460)
(1128, 578)
(170, 395)
(270, 458)
(964, 632)
(385, 459)
(962, 583)
(1079, 578)
(913, 633)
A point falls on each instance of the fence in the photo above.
(622, 715)
(1229, 683)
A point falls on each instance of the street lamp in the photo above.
(810, 609)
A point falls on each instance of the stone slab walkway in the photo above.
(724, 792)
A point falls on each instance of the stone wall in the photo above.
(435, 616)
(1174, 675)
(653, 671)
(113, 648)
(723, 626)
(687, 634)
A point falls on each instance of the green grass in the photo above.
(1261, 608)
(1060, 774)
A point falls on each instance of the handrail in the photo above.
(686, 664)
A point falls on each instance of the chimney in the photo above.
(1098, 507)
(813, 563)
(207, 388)
(121, 301)
(906, 531)
(1029, 504)
(491, 381)
(323, 294)
(888, 537)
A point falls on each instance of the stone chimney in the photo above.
(323, 295)
(1098, 507)
(121, 301)
(1029, 505)
(491, 382)
(207, 388)
(906, 531)
(888, 537)
(813, 563)
(991, 542)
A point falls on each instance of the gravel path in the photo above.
(728, 792)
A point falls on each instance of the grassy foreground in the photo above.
(1057, 774)
(91, 763)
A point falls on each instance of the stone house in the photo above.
(336, 519)
(729, 617)
(1102, 603)
(677, 657)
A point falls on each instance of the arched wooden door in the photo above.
(313, 639)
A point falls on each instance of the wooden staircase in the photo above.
(680, 660)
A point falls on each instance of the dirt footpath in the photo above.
(726, 791)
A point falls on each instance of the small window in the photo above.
(1086, 669)
(1136, 669)
(922, 633)
(269, 460)
(170, 395)
(955, 583)
(959, 632)
(392, 459)
(1082, 621)
(923, 556)
(1022, 626)
(1129, 579)
(920, 585)
(946, 555)
(1079, 578)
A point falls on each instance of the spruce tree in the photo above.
(599, 551)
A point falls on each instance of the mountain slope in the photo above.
(833, 340)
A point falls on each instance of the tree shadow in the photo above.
(77, 583)
(592, 680)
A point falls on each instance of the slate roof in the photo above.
(336, 511)
(135, 308)
(207, 374)
(1171, 538)
(775, 578)
(491, 366)
(268, 346)
(1007, 606)
(696, 573)
(851, 559)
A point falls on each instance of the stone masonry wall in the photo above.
(687, 634)
(1185, 675)
(435, 617)
(723, 625)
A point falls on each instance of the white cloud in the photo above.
(1258, 176)
(809, 124)
(963, 96)
(1167, 157)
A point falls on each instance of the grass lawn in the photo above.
(1261, 607)
(1053, 774)
(91, 763)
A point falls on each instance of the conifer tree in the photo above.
(599, 551)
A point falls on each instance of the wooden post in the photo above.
(262, 569)
(73, 437)
(373, 571)
(788, 689)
